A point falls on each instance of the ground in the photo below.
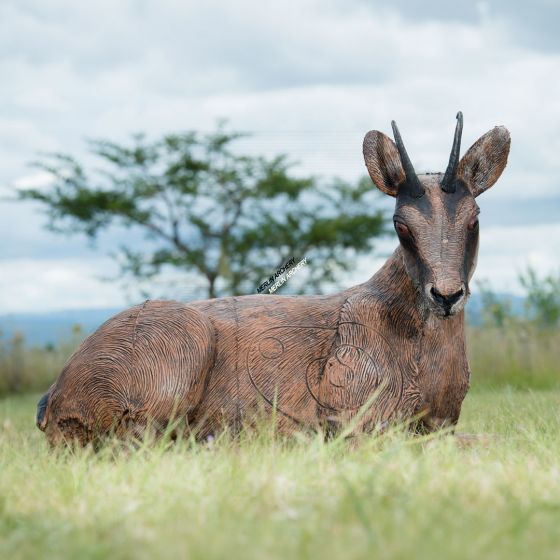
(260, 497)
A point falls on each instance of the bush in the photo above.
(520, 354)
(26, 369)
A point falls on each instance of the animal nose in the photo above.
(447, 301)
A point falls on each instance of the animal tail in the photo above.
(41, 419)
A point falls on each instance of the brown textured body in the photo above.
(213, 362)
(399, 338)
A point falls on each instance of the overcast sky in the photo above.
(308, 77)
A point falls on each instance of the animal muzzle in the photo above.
(446, 302)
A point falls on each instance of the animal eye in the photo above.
(402, 230)
(473, 224)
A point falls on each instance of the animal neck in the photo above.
(392, 284)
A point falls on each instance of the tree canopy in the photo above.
(206, 209)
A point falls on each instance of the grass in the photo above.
(25, 368)
(519, 355)
(262, 497)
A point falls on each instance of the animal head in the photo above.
(436, 215)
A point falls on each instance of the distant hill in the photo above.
(40, 329)
(475, 308)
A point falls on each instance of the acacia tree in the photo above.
(231, 219)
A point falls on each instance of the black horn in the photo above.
(413, 183)
(448, 181)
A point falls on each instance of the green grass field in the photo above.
(261, 497)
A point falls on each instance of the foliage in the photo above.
(496, 311)
(542, 302)
(228, 219)
(520, 355)
(258, 496)
(24, 368)
(543, 297)
(513, 348)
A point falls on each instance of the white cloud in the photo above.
(309, 76)
(506, 252)
(37, 180)
(46, 285)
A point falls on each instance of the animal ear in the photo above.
(383, 162)
(485, 160)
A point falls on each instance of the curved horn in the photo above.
(416, 188)
(448, 181)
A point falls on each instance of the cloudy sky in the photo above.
(308, 77)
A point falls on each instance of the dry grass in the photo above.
(520, 356)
